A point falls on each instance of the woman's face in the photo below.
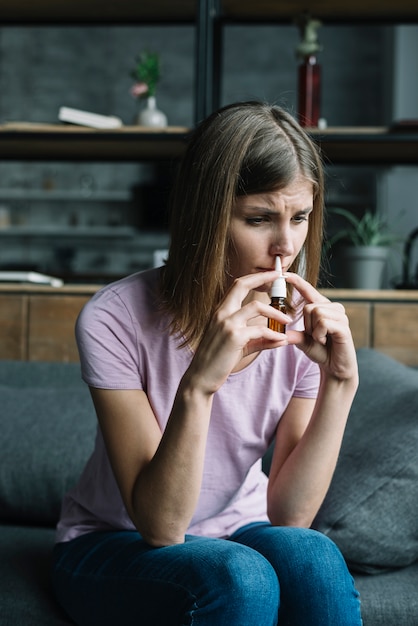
(267, 225)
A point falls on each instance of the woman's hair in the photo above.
(244, 148)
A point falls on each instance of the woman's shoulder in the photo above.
(134, 293)
(130, 301)
(131, 288)
(116, 328)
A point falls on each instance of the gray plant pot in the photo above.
(364, 266)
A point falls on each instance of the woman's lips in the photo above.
(270, 269)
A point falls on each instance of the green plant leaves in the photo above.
(368, 230)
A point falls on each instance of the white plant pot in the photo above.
(151, 116)
(364, 266)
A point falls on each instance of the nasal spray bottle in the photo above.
(278, 298)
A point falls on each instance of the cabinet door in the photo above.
(359, 315)
(51, 327)
(13, 315)
(396, 331)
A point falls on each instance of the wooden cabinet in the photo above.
(37, 323)
(360, 316)
(50, 327)
(13, 320)
(384, 320)
(396, 330)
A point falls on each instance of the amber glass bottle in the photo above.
(278, 298)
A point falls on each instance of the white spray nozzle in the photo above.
(278, 289)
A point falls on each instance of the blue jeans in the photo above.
(262, 576)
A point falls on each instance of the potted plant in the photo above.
(364, 255)
(146, 74)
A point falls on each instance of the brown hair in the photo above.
(244, 148)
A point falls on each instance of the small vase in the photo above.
(151, 116)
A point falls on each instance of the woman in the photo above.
(173, 521)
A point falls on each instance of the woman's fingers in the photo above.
(246, 328)
(236, 331)
(306, 290)
(240, 289)
(327, 338)
(323, 318)
(226, 342)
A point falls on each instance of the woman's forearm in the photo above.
(166, 491)
(297, 490)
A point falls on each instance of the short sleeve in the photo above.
(107, 343)
(308, 379)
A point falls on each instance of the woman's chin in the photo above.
(264, 289)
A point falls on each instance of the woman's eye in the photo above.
(255, 221)
(300, 218)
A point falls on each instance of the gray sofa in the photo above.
(47, 432)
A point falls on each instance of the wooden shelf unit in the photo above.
(339, 146)
(100, 11)
(326, 10)
(96, 11)
(24, 141)
(374, 146)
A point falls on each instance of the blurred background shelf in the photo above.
(372, 145)
(95, 232)
(131, 143)
(107, 11)
(328, 10)
(96, 11)
(60, 142)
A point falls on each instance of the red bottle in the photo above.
(309, 91)
(309, 73)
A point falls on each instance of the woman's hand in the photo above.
(236, 331)
(327, 338)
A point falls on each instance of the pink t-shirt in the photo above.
(124, 344)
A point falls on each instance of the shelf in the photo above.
(359, 295)
(374, 145)
(371, 295)
(66, 289)
(26, 141)
(326, 10)
(339, 145)
(63, 195)
(127, 11)
(45, 231)
(97, 11)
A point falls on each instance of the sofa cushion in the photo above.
(390, 599)
(26, 596)
(48, 426)
(371, 509)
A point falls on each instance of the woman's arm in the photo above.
(159, 475)
(310, 432)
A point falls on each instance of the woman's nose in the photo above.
(281, 244)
